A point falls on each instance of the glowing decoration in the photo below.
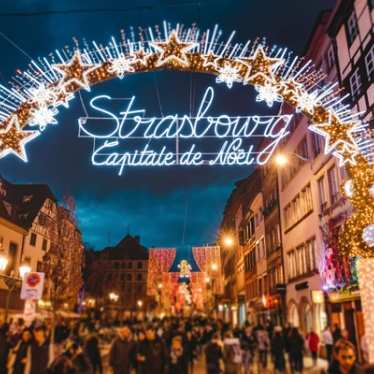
(211, 60)
(371, 190)
(184, 269)
(365, 269)
(348, 188)
(260, 67)
(42, 95)
(75, 72)
(335, 133)
(368, 235)
(121, 65)
(269, 94)
(63, 98)
(233, 133)
(140, 57)
(307, 101)
(43, 116)
(228, 74)
(345, 155)
(173, 50)
(13, 140)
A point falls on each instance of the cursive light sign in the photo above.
(125, 140)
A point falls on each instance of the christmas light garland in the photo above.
(278, 76)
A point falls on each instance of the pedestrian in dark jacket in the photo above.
(122, 352)
(214, 355)
(278, 350)
(93, 352)
(20, 352)
(177, 362)
(345, 359)
(154, 352)
(296, 350)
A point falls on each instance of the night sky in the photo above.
(166, 207)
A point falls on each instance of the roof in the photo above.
(21, 203)
(129, 248)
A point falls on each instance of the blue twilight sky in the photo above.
(165, 207)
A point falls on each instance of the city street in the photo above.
(186, 181)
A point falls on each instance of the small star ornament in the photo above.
(41, 94)
(346, 155)
(306, 101)
(121, 66)
(173, 50)
(75, 72)
(210, 60)
(13, 140)
(43, 116)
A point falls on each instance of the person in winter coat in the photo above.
(278, 350)
(296, 350)
(313, 345)
(20, 353)
(232, 354)
(122, 352)
(263, 344)
(178, 363)
(247, 343)
(214, 355)
(93, 352)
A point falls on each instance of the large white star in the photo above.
(173, 50)
(13, 140)
(75, 71)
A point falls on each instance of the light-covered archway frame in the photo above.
(31, 103)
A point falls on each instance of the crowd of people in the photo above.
(168, 346)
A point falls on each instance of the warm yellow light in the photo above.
(207, 280)
(228, 241)
(281, 160)
(159, 286)
(24, 269)
(140, 303)
(3, 262)
(214, 266)
(113, 296)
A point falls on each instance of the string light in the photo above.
(121, 66)
(228, 74)
(268, 93)
(43, 116)
(368, 235)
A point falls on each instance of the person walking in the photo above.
(177, 363)
(39, 353)
(247, 343)
(328, 342)
(214, 355)
(18, 356)
(346, 359)
(93, 353)
(122, 352)
(313, 345)
(263, 344)
(278, 350)
(232, 354)
(296, 350)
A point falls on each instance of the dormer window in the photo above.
(26, 198)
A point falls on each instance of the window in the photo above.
(352, 28)
(330, 58)
(369, 62)
(44, 244)
(322, 194)
(299, 207)
(129, 277)
(316, 144)
(301, 261)
(129, 265)
(42, 219)
(139, 277)
(302, 149)
(1, 243)
(33, 239)
(355, 83)
(39, 266)
(140, 265)
(333, 185)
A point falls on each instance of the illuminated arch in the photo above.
(36, 94)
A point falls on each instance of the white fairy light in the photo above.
(121, 65)
(269, 94)
(41, 94)
(228, 74)
(371, 190)
(43, 116)
(368, 235)
(307, 101)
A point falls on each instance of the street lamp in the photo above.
(159, 286)
(214, 266)
(281, 160)
(140, 303)
(24, 269)
(3, 262)
(207, 280)
(113, 297)
(228, 241)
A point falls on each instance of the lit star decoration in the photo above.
(194, 50)
(75, 72)
(260, 67)
(13, 140)
(43, 116)
(348, 188)
(173, 51)
(121, 66)
(211, 60)
(228, 74)
(268, 93)
(335, 133)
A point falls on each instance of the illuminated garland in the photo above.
(276, 74)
